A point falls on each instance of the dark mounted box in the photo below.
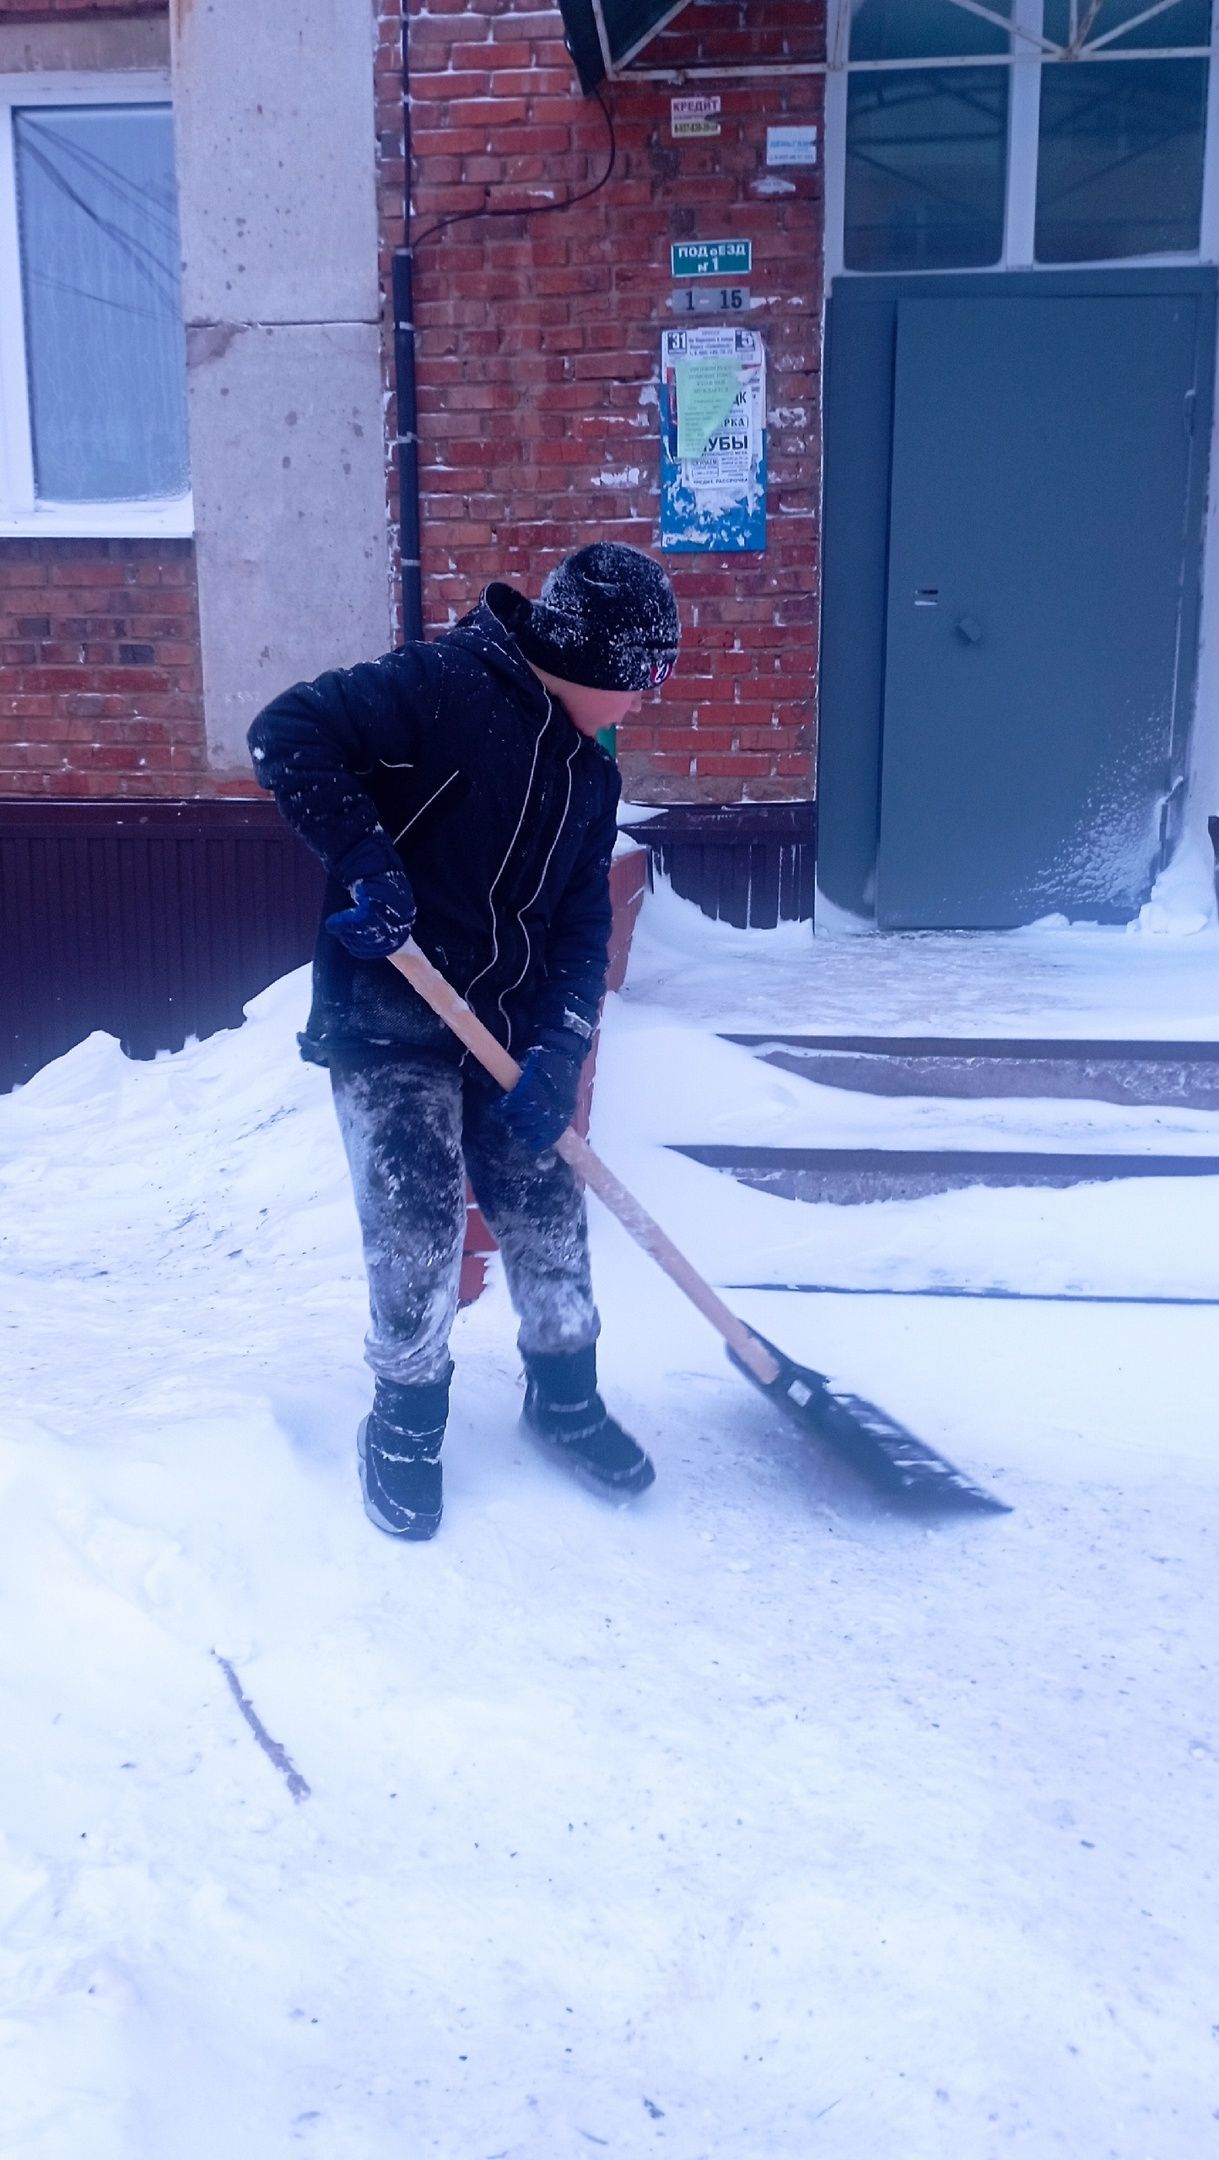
(750, 864)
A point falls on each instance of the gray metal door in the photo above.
(1038, 554)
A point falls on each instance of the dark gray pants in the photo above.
(413, 1130)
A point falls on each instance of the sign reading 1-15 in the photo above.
(710, 300)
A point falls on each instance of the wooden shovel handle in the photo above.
(502, 1066)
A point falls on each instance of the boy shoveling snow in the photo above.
(456, 794)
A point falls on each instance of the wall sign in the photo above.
(711, 258)
(694, 116)
(791, 145)
(712, 441)
(709, 300)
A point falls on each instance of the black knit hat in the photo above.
(607, 618)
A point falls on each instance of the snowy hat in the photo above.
(607, 618)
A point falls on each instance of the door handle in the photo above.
(969, 629)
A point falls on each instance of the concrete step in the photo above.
(1169, 1075)
(849, 1176)
(968, 1292)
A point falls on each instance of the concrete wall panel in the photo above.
(83, 46)
(276, 140)
(276, 172)
(290, 510)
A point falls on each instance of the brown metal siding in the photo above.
(152, 921)
(750, 864)
(159, 921)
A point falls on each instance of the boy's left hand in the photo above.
(379, 922)
(543, 1102)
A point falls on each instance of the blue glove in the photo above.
(380, 922)
(543, 1102)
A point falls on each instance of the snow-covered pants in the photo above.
(413, 1129)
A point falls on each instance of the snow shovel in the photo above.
(883, 1452)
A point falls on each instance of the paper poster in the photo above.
(713, 441)
(791, 145)
(694, 116)
(706, 393)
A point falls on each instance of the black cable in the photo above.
(486, 210)
(143, 259)
(129, 192)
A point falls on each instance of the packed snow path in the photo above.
(749, 1824)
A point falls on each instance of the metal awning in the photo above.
(604, 34)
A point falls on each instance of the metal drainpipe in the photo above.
(404, 382)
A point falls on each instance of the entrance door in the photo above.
(1039, 552)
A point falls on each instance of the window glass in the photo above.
(1183, 22)
(103, 317)
(925, 173)
(1120, 164)
(924, 30)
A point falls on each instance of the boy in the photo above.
(456, 793)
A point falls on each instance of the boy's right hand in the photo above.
(380, 922)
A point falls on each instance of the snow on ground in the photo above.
(1081, 981)
(749, 1822)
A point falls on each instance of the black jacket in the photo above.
(450, 760)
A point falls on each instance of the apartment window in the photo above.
(92, 353)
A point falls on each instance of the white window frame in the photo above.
(22, 513)
(1025, 61)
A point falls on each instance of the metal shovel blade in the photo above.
(904, 1468)
(870, 1441)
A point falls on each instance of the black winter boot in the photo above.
(564, 1411)
(399, 1444)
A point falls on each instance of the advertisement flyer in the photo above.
(713, 441)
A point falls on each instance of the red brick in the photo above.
(445, 142)
(19, 574)
(515, 78)
(737, 766)
(485, 53)
(430, 90)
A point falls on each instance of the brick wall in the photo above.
(99, 669)
(538, 352)
(21, 11)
